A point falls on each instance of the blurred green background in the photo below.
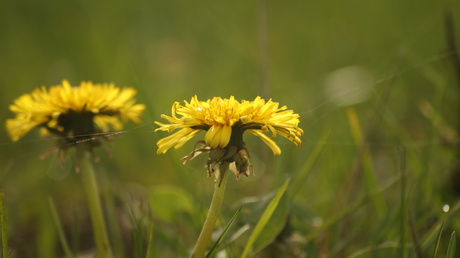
(384, 61)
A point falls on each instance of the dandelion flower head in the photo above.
(73, 113)
(225, 121)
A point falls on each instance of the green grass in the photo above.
(352, 191)
(3, 225)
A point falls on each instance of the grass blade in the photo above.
(416, 242)
(3, 226)
(429, 237)
(264, 219)
(436, 246)
(223, 233)
(351, 208)
(150, 241)
(368, 250)
(451, 247)
(57, 222)
(403, 208)
(360, 137)
(305, 171)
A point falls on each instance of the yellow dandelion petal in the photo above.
(106, 122)
(20, 126)
(218, 136)
(175, 140)
(273, 146)
(212, 137)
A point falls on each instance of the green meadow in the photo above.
(376, 85)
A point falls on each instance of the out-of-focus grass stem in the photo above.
(61, 234)
(402, 151)
(3, 226)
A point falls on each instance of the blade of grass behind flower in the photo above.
(430, 236)
(451, 247)
(150, 241)
(3, 226)
(279, 218)
(57, 222)
(223, 233)
(438, 240)
(403, 200)
(351, 208)
(439, 83)
(264, 219)
(416, 242)
(360, 139)
(305, 171)
(137, 234)
(113, 226)
(368, 250)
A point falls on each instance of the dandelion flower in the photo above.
(225, 121)
(73, 113)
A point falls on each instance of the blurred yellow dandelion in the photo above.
(225, 121)
(73, 113)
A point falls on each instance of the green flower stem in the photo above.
(94, 203)
(206, 232)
